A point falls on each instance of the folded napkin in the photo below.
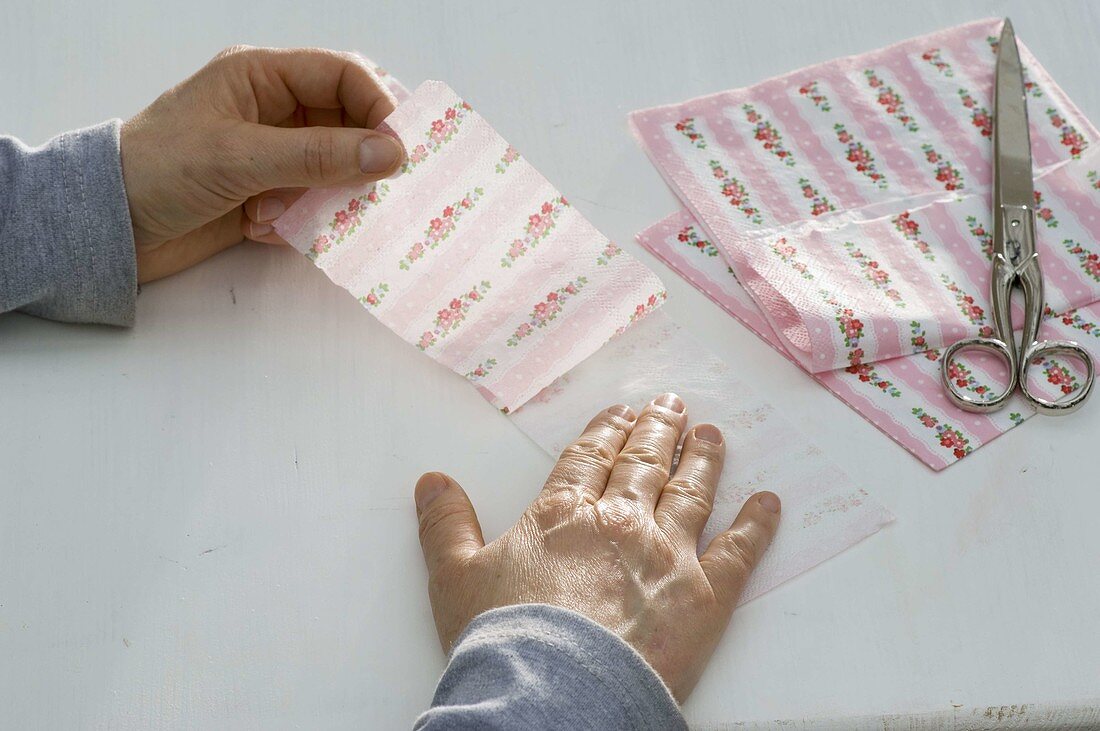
(473, 257)
(851, 201)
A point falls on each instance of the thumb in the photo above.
(314, 157)
(449, 530)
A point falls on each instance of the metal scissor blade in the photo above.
(1012, 177)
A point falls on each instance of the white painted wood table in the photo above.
(207, 521)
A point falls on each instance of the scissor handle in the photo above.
(994, 345)
(1044, 349)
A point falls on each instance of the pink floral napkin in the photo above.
(472, 256)
(850, 200)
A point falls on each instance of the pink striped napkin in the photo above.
(851, 201)
(471, 256)
(455, 263)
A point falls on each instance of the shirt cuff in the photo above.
(539, 666)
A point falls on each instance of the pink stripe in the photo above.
(808, 142)
(878, 135)
(932, 109)
(534, 281)
(411, 214)
(762, 187)
(489, 230)
(562, 344)
(289, 225)
(1073, 200)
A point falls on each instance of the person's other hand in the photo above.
(218, 157)
(612, 535)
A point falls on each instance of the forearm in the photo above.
(537, 666)
(66, 242)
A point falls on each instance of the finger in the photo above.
(733, 554)
(449, 530)
(642, 467)
(307, 157)
(688, 498)
(262, 233)
(269, 205)
(285, 78)
(186, 251)
(585, 465)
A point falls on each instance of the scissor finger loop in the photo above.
(986, 403)
(1040, 353)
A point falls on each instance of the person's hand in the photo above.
(610, 536)
(223, 154)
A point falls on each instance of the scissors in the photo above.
(1015, 260)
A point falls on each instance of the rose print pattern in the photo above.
(481, 370)
(450, 317)
(538, 227)
(859, 156)
(787, 254)
(835, 504)
(441, 132)
(983, 236)
(890, 101)
(345, 221)
(932, 56)
(873, 273)
(1030, 87)
(945, 171)
(690, 236)
(686, 127)
(811, 92)
(510, 156)
(979, 115)
(1043, 213)
(1059, 376)
(851, 328)
(910, 230)
(735, 192)
(818, 203)
(547, 310)
(1089, 261)
(964, 379)
(374, 297)
(609, 252)
(641, 310)
(767, 135)
(441, 227)
(970, 310)
(1070, 137)
(1094, 179)
(1072, 318)
(949, 437)
(918, 339)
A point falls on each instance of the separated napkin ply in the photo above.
(474, 258)
(850, 200)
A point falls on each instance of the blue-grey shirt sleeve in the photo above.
(66, 241)
(541, 667)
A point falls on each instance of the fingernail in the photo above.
(270, 209)
(671, 402)
(428, 488)
(769, 501)
(259, 229)
(622, 411)
(379, 153)
(708, 433)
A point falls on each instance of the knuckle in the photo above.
(619, 519)
(740, 549)
(640, 458)
(236, 50)
(436, 515)
(318, 155)
(663, 418)
(691, 489)
(590, 450)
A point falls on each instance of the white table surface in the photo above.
(207, 521)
